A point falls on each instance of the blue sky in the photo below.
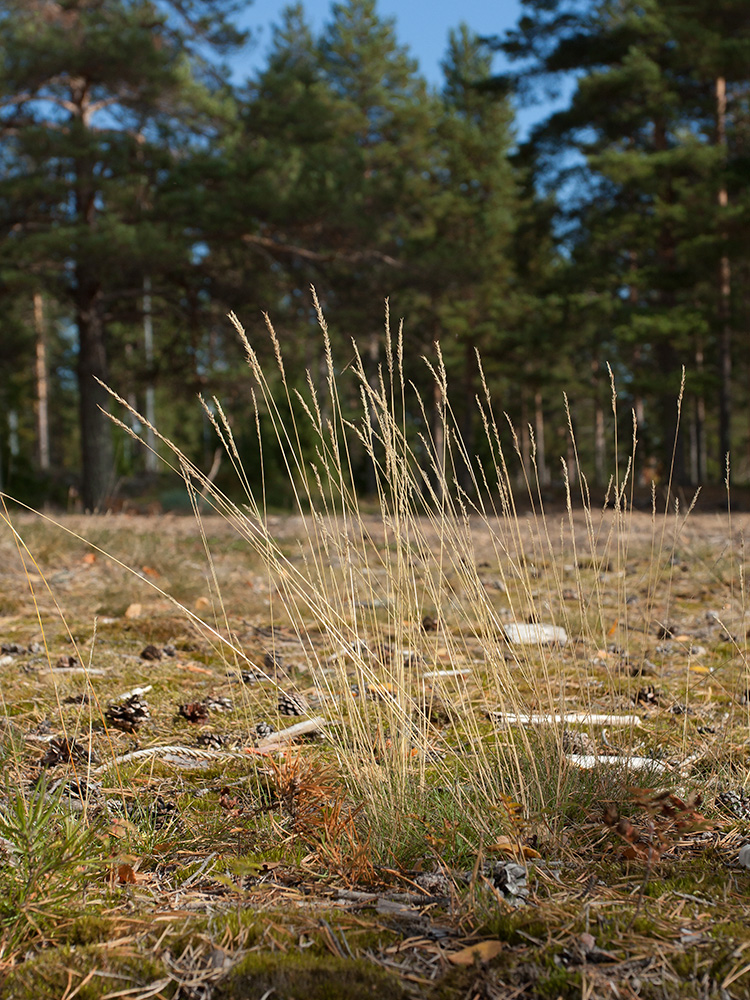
(423, 25)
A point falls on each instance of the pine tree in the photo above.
(334, 152)
(713, 47)
(95, 99)
(647, 226)
(288, 157)
(383, 131)
(334, 133)
(462, 257)
(381, 128)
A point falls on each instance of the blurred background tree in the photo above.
(98, 98)
(144, 194)
(649, 153)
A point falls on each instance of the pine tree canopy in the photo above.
(147, 189)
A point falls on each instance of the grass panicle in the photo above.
(449, 747)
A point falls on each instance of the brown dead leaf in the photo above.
(150, 571)
(647, 853)
(193, 668)
(529, 852)
(611, 814)
(66, 662)
(126, 875)
(485, 951)
(509, 846)
(120, 827)
(133, 610)
(627, 831)
(89, 559)
(502, 844)
(229, 802)
(201, 604)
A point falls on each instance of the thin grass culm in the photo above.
(456, 712)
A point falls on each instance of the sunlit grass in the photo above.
(368, 583)
(445, 744)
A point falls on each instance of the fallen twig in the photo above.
(571, 718)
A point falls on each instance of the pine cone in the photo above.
(579, 743)
(61, 750)
(77, 699)
(76, 794)
(646, 696)
(220, 704)
(292, 704)
(129, 714)
(213, 741)
(158, 811)
(66, 662)
(250, 676)
(194, 711)
(261, 730)
(736, 802)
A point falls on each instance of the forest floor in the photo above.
(221, 865)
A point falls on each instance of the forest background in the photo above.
(144, 195)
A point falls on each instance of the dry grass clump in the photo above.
(410, 623)
(610, 747)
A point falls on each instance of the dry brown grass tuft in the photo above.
(448, 749)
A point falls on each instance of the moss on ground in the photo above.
(308, 977)
(92, 971)
(232, 873)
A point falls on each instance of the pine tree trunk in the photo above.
(152, 459)
(438, 438)
(14, 444)
(524, 435)
(373, 354)
(42, 384)
(96, 440)
(541, 458)
(700, 422)
(638, 404)
(467, 422)
(97, 472)
(598, 441)
(598, 423)
(673, 441)
(673, 447)
(701, 428)
(725, 291)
